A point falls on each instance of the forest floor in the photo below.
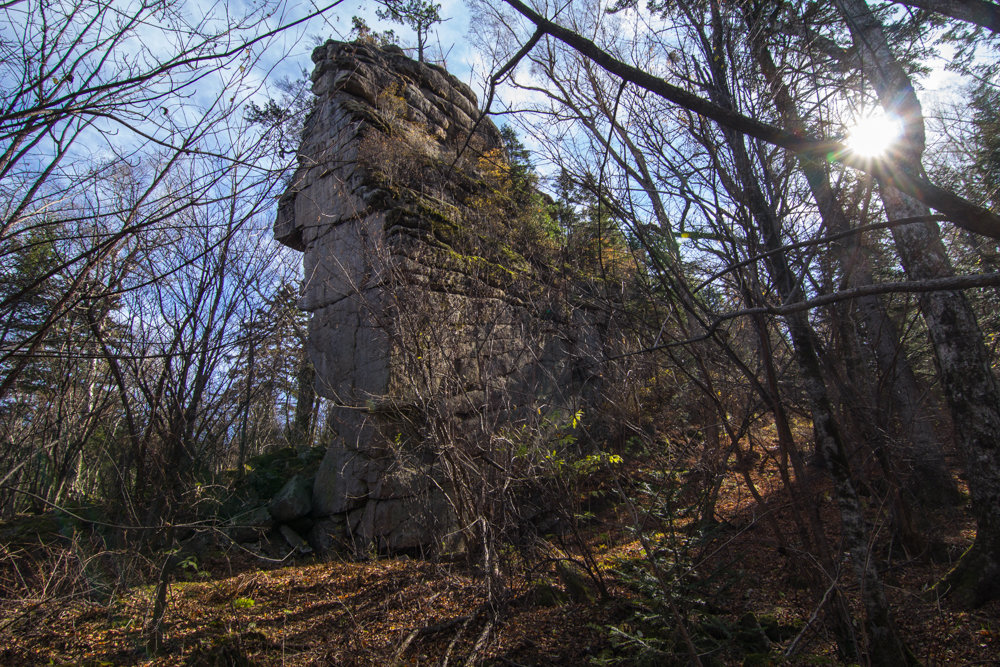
(750, 609)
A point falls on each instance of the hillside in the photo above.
(737, 603)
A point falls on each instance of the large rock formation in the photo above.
(438, 329)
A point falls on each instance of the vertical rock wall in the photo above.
(435, 318)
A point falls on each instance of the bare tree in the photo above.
(88, 89)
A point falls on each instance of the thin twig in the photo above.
(790, 651)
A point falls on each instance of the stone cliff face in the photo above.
(437, 321)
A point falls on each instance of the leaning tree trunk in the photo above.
(970, 389)
(838, 614)
(967, 381)
(885, 646)
(926, 479)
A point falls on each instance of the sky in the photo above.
(450, 38)
(287, 54)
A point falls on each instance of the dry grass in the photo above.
(406, 611)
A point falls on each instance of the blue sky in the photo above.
(450, 38)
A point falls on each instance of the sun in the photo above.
(873, 135)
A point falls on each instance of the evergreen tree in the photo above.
(419, 15)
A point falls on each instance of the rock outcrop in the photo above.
(438, 325)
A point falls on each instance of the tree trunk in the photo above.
(970, 390)
(305, 399)
(926, 475)
(962, 359)
(241, 463)
(885, 646)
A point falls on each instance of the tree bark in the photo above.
(967, 380)
(928, 480)
(885, 646)
(305, 400)
(971, 391)
(978, 12)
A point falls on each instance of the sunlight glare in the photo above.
(873, 135)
